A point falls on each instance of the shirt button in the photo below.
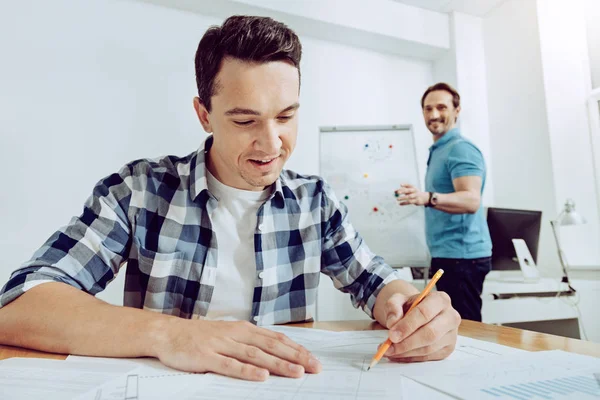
(261, 275)
(255, 319)
(261, 227)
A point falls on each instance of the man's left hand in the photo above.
(427, 333)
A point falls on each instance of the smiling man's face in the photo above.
(254, 122)
(439, 113)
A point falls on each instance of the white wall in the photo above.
(471, 82)
(464, 67)
(342, 85)
(520, 146)
(538, 78)
(564, 54)
(79, 99)
(86, 87)
(381, 25)
(592, 19)
(384, 17)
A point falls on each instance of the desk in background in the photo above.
(545, 306)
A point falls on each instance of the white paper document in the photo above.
(32, 378)
(476, 370)
(533, 375)
(144, 383)
(149, 380)
(344, 355)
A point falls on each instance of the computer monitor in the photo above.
(506, 224)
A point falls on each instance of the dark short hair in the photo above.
(442, 86)
(247, 38)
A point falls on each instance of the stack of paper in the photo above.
(476, 370)
(31, 378)
(542, 375)
(344, 356)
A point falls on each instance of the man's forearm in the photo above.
(462, 202)
(58, 318)
(398, 286)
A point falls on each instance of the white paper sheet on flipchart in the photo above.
(344, 356)
(32, 378)
(541, 374)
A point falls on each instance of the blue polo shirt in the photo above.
(463, 236)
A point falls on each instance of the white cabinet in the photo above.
(589, 302)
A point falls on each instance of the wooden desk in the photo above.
(521, 339)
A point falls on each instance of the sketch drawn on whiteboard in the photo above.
(364, 173)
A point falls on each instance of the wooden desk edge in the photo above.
(526, 340)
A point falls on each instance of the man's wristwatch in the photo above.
(433, 200)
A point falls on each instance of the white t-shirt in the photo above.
(234, 223)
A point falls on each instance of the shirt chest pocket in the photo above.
(167, 276)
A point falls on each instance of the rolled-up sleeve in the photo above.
(465, 160)
(347, 259)
(88, 252)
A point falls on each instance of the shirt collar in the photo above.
(452, 133)
(199, 184)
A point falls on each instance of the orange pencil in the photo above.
(424, 293)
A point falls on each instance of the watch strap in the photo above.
(428, 204)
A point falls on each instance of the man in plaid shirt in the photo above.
(224, 233)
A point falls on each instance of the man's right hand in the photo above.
(410, 195)
(236, 349)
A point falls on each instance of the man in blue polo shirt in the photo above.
(457, 233)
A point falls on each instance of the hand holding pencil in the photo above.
(429, 334)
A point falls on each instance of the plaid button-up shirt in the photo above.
(154, 215)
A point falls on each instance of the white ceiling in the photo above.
(474, 7)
